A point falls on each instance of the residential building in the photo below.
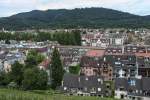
(83, 85)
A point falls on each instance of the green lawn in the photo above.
(9, 94)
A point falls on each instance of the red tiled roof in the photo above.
(142, 54)
(95, 53)
(45, 63)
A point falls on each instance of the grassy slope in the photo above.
(6, 94)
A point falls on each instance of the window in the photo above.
(110, 75)
(85, 88)
(132, 82)
(104, 59)
(117, 63)
(99, 79)
(121, 88)
(86, 79)
(65, 88)
(99, 89)
(93, 89)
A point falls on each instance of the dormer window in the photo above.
(85, 88)
(86, 79)
(99, 89)
(65, 88)
(132, 82)
(117, 63)
(121, 88)
(99, 80)
(104, 58)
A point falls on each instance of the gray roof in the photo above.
(121, 82)
(124, 82)
(146, 83)
(81, 81)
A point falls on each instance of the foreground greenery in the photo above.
(26, 76)
(10, 94)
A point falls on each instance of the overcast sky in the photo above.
(10, 7)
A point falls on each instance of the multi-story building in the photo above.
(132, 88)
(83, 85)
(123, 65)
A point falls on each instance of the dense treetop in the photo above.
(76, 18)
(64, 38)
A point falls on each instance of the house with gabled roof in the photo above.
(132, 88)
(83, 85)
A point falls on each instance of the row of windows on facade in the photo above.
(85, 89)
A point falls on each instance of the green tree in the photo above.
(74, 69)
(56, 69)
(34, 58)
(39, 58)
(31, 58)
(77, 36)
(4, 78)
(30, 78)
(34, 79)
(16, 74)
(42, 79)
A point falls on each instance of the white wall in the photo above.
(119, 93)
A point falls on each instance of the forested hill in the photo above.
(76, 18)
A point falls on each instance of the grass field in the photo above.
(9, 94)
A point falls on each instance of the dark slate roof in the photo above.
(140, 61)
(67, 52)
(125, 83)
(138, 85)
(136, 90)
(123, 59)
(121, 82)
(77, 81)
(71, 80)
(146, 83)
(92, 81)
(90, 61)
